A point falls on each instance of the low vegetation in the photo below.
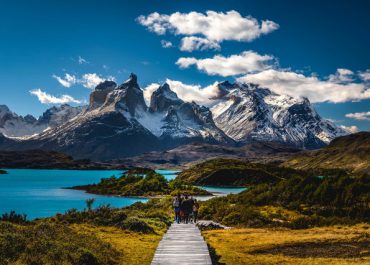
(350, 153)
(48, 243)
(141, 182)
(297, 202)
(234, 172)
(2, 171)
(101, 236)
(326, 245)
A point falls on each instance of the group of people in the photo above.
(186, 209)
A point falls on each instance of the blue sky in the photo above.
(311, 40)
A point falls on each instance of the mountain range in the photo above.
(117, 123)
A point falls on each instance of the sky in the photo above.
(54, 52)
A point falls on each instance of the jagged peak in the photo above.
(132, 80)
(4, 108)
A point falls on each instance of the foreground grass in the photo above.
(134, 248)
(326, 245)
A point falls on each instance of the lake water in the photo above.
(39, 192)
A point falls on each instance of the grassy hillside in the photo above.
(233, 172)
(350, 152)
(296, 202)
(141, 182)
(335, 245)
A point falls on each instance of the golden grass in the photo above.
(136, 248)
(326, 245)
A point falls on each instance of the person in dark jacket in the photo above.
(187, 206)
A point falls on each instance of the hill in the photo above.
(233, 172)
(351, 153)
(39, 159)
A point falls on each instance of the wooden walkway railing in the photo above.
(182, 245)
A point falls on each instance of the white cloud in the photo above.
(148, 91)
(342, 76)
(186, 92)
(299, 85)
(363, 116)
(67, 81)
(192, 43)
(91, 80)
(349, 129)
(246, 62)
(166, 44)
(82, 60)
(50, 99)
(365, 75)
(213, 26)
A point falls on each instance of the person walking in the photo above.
(195, 211)
(176, 205)
(187, 206)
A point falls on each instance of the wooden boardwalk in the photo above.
(182, 245)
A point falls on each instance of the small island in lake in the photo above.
(3, 172)
(141, 182)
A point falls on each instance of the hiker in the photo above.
(187, 206)
(176, 205)
(195, 210)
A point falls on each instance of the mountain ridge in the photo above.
(117, 122)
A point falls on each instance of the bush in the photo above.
(13, 217)
(50, 243)
(137, 225)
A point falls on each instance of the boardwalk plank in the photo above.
(183, 244)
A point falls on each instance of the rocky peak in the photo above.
(163, 98)
(106, 85)
(128, 97)
(4, 108)
(131, 82)
(99, 95)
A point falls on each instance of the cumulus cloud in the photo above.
(67, 81)
(89, 80)
(246, 62)
(46, 98)
(349, 129)
(195, 43)
(300, 85)
(186, 92)
(365, 75)
(362, 116)
(342, 76)
(212, 26)
(166, 44)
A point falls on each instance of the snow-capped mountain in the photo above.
(117, 122)
(247, 113)
(13, 125)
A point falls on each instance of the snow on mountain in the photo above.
(13, 125)
(117, 122)
(247, 112)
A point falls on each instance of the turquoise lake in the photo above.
(39, 192)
